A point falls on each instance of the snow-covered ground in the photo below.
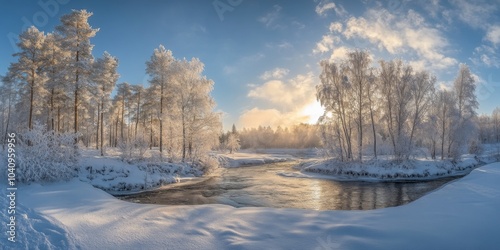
(252, 157)
(75, 215)
(115, 175)
(384, 169)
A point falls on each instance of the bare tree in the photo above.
(358, 74)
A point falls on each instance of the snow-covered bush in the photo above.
(133, 149)
(45, 156)
(475, 147)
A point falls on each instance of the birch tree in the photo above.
(200, 125)
(104, 78)
(333, 93)
(358, 64)
(158, 70)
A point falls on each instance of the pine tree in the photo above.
(29, 69)
(76, 33)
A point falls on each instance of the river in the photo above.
(260, 186)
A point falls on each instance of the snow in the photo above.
(75, 215)
(385, 170)
(240, 159)
(114, 175)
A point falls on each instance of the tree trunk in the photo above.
(360, 124)
(374, 134)
(98, 126)
(32, 88)
(102, 128)
(76, 98)
(58, 119)
(122, 118)
(442, 137)
(151, 133)
(51, 113)
(183, 136)
(138, 113)
(161, 115)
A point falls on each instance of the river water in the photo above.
(260, 186)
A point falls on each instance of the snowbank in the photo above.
(385, 170)
(240, 159)
(117, 176)
(252, 157)
(461, 215)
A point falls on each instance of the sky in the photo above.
(264, 55)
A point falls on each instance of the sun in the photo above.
(313, 111)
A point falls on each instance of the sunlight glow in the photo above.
(313, 111)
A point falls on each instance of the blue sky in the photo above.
(263, 55)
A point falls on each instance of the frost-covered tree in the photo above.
(29, 70)
(396, 80)
(495, 117)
(7, 99)
(56, 84)
(358, 74)
(421, 90)
(158, 69)
(200, 125)
(76, 33)
(123, 96)
(104, 78)
(138, 99)
(233, 142)
(464, 89)
(333, 93)
(445, 112)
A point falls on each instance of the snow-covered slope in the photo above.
(461, 215)
(385, 170)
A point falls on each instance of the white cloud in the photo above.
(269, 20)
(325, 5)
(473, 13)
(335, 27)
(276, 73)
(485, 55)
(287, 94)
(321, 8)
(298, 25)
(493, 34)
(293, 101)
(376, 28)
(256, 117)
(325, 45)
(339, 54)
(401, 35)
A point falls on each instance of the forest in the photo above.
(396, 110)
(57, 85)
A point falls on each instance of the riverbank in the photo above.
(117, 176)
(75, 215)
(386, 170)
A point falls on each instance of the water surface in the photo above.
(260, 186)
